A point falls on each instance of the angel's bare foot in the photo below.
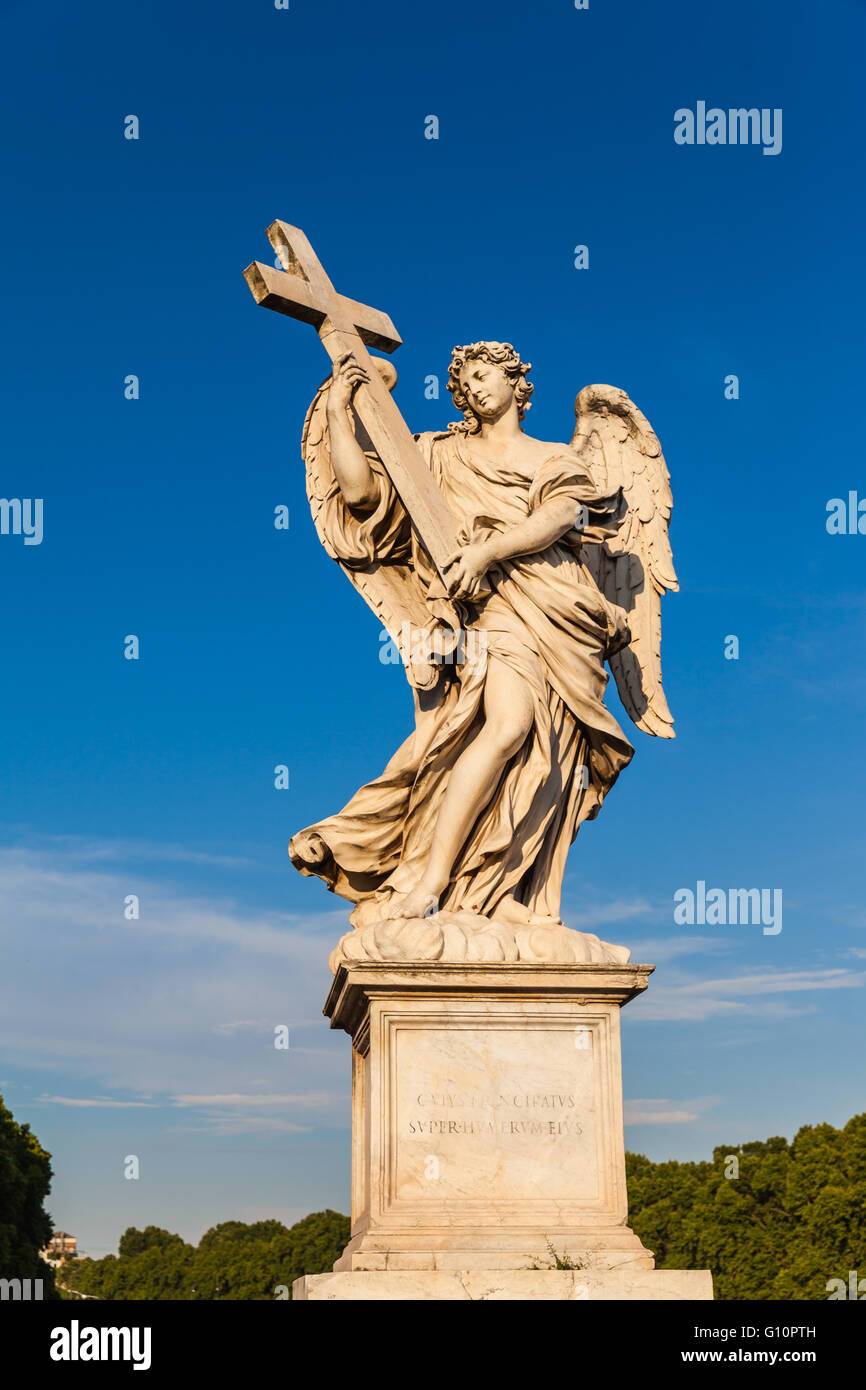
(519, 915)
(420, 901)
(309, 847)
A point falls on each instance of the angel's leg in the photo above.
(508, 716)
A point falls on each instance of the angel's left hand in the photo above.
(466, 570)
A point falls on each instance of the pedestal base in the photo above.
(487, 1141)
(520, 1285)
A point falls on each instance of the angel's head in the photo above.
(484, 379)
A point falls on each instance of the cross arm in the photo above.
(292, 295)
(303, 291)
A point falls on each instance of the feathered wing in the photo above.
(389, 587)
(635, 567)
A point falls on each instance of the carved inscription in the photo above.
(535, 1114)
(487, 1113)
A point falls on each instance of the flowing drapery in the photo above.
(546, 619)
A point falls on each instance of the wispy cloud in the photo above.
(258, 1025)
(228, 1125)
(656, 950)
(239, 1113)
(317, 1101)
(603, 914)
(231, 1101)
(89, 851)
(750, 993)
(666, 1112)
(98, 1103)
(183, 1001)
(636, 1115)
(783, 981)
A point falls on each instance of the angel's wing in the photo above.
(389, 588)
(635, 567)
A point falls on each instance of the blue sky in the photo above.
(155, 777)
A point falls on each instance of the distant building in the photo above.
(61, 1246)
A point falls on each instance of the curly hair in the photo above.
(499, 355)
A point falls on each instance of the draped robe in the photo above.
(547, 620)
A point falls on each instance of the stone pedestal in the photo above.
(487, 1135)
(508, 1285)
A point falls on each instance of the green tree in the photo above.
(772, 1220)
(25, 1226)
(232, 1261)
(133, 1241)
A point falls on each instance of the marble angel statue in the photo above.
(563, 560)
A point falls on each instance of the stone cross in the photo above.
(303, 291)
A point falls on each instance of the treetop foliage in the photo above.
(25, 1226)
(232, 1260)
(772, 1220)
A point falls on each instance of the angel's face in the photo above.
(487, 389)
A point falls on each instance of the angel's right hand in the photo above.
(346, 377)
